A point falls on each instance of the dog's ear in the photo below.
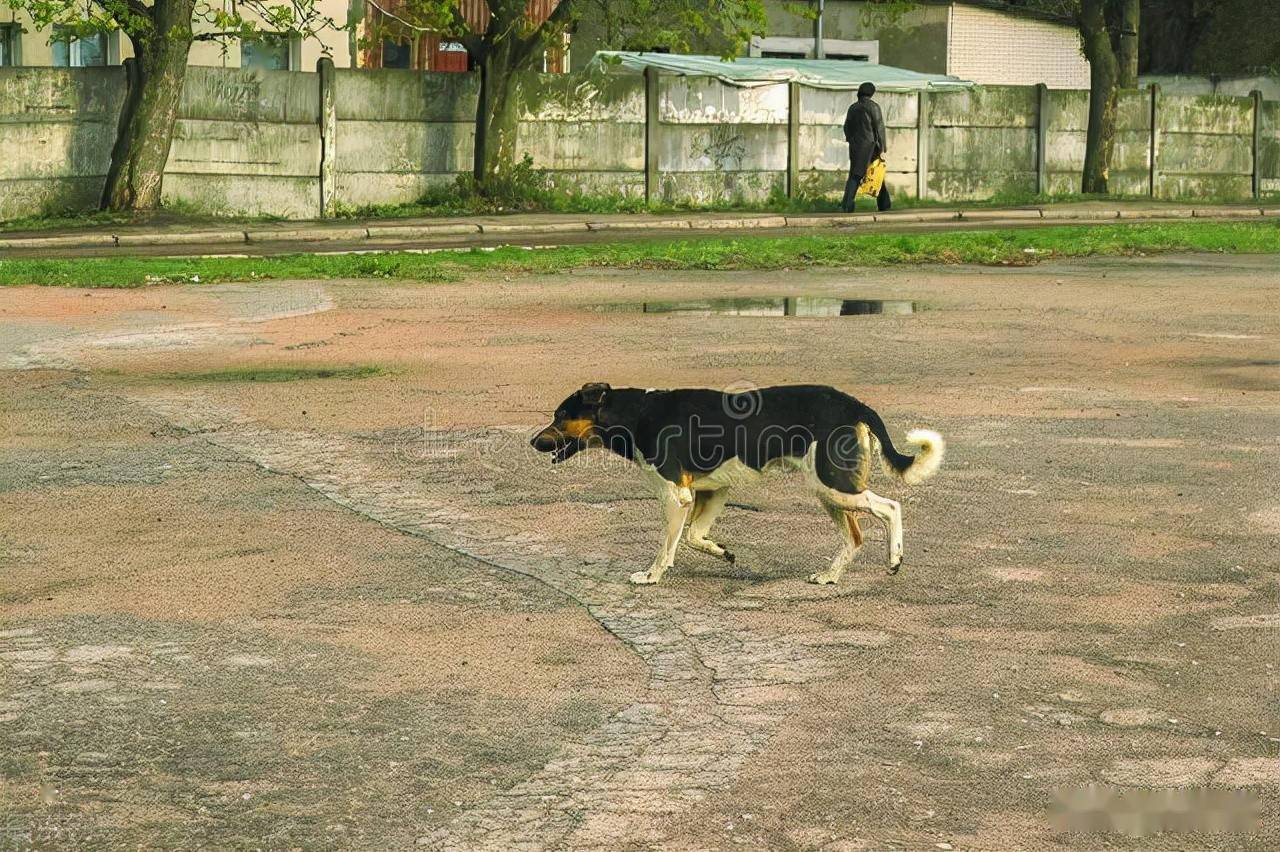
(593, 392)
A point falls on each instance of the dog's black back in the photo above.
(695, 431)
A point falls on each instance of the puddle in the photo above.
(797, 306)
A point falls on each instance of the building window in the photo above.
(273, 53)
(396, 54)
(70, 51)
(8, 45)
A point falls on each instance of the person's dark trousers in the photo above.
(850, 193)
(883, 202)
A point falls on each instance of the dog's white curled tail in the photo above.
(929, 448)
(910, 469)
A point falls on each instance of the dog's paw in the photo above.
(644, 578)
(684, 496)
(895, 564)
(825, 578)
(728, 556)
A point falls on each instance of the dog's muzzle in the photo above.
(556, 443)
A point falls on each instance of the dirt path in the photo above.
(1095, 615)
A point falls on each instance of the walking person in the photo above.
(864, 131)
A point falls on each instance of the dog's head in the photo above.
(575, 426)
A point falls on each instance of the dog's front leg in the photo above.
(707, 507)
(675, 512)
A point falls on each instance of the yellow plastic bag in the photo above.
(874, 178)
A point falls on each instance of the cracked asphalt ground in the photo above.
(360, 612)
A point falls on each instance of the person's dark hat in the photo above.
(866, 90)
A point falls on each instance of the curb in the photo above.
(1222, 213)
(547, 228)
(418, 232)
(839, 221)
(1148, 214)
(409, 233)
(657, 224)
(990, 215)
(187, 239)
(65, 241)
(1082, 215)
(738, 223)
(308, 235)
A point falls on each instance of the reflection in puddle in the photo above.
(798, 306)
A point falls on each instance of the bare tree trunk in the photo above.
(497, 117)
(1104, 91)
(141, 151)
(1126, 42)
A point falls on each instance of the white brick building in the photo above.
(997, 47)
(986, 41)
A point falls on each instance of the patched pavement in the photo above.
(362, 612)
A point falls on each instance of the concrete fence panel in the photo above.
(586, 131)
(1205, 146)
(400, 133)
(246, 142)
(1068, 124)
(720, 142)
(824, 154)
(982, 142)
(1269, 147)
(57, 128)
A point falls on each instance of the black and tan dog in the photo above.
(696, 444)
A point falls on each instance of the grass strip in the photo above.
(277, 374)
(1015, 246)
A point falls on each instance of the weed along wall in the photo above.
(304, 145)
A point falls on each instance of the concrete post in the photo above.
(922, 145)
(793, 140)
(1257, 143)
(1154, 165)
(1042, 139)
(819, 51)
(651, 115)
(328, 138)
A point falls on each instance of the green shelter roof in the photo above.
(755, 71)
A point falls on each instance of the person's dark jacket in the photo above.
(864, 131)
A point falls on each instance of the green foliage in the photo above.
(203, 20)
(1019, 246)
(677, 25)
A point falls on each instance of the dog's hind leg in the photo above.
(847, 523)
(888, 512)
(707, 506)
(675, 512)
